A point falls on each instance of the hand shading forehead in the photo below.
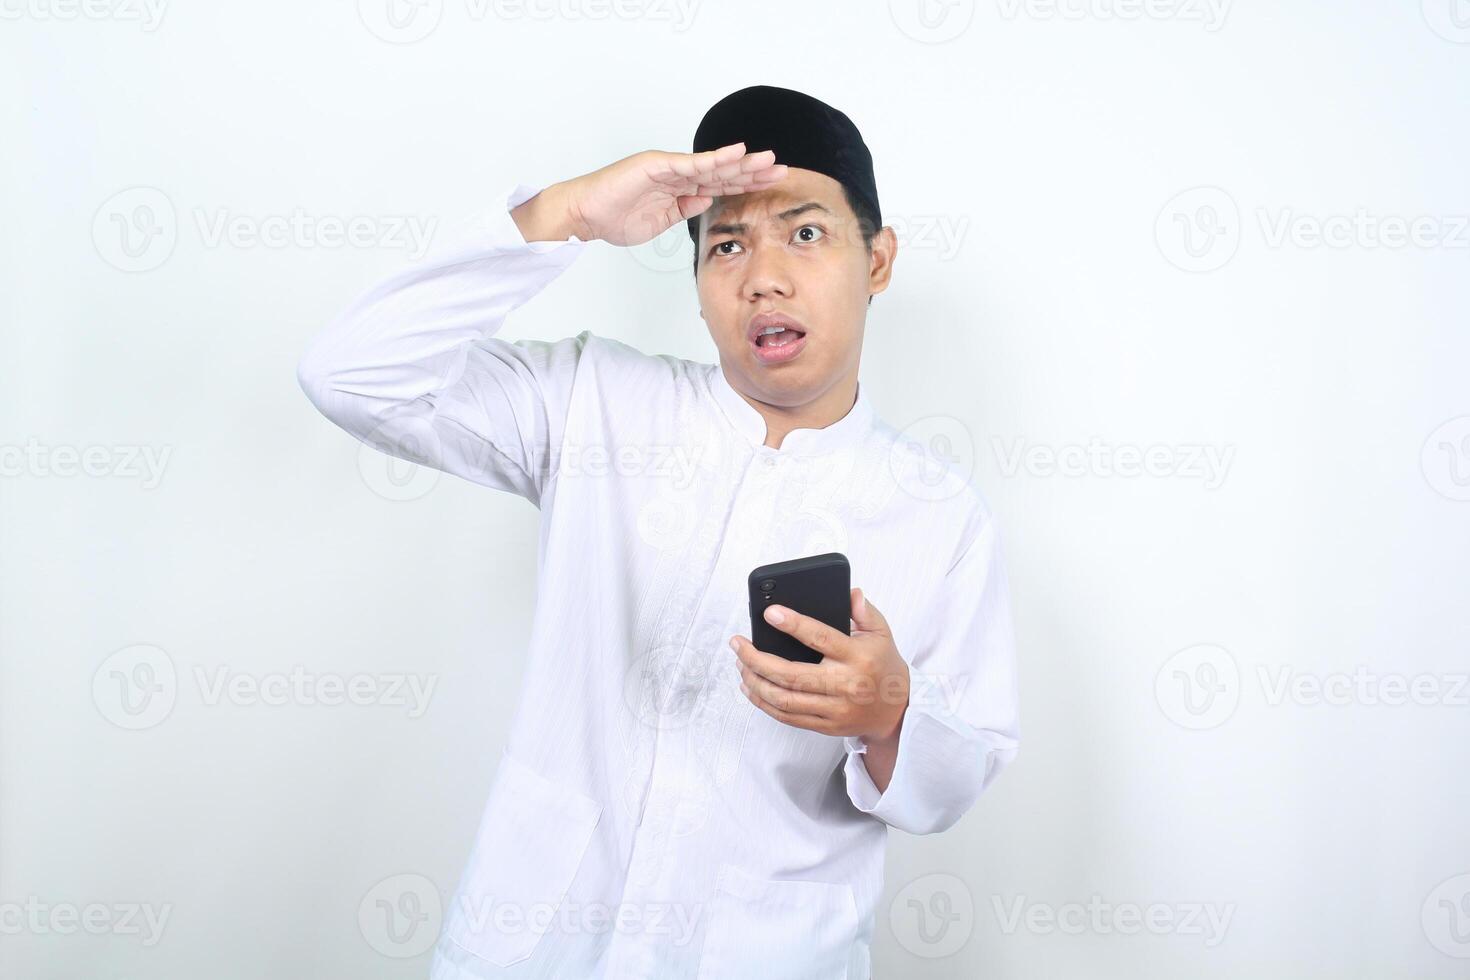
(802, 195)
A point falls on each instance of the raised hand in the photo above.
(639, 197)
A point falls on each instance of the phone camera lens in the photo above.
(768, 585)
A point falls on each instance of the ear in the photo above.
(880, 269)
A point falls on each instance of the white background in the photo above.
(1046, 302)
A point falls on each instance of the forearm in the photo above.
(549, 216)
(879, 759)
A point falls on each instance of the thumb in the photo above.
(865, 615)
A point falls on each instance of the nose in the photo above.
(765, 273)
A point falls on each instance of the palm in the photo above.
(640, 197)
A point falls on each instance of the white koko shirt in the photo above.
(646, 820)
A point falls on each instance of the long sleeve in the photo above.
(961, 727)
(413, 366)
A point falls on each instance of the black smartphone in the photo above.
(816, 586)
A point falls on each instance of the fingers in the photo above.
(810, 678)
(728, 189)
(789, 702)
(693, 205)
(738, 184)
(809, 722)
(865, 616)
(750, 165)
(697, 164)
(812, 633)
(796, 707)
(735, 181)
(725, 171)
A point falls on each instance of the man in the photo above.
(673, 802)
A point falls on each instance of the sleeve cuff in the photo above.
(937, 773)
(861, 789)
(506, 234)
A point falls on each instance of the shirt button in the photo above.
(770, 462)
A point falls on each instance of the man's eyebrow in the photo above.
(740, 227)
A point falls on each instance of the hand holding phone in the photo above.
(817, 586)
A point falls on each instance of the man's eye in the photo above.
(715, 249)
(816, 228)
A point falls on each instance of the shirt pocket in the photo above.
(531, 841)
(777, 930)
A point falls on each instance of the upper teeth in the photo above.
(770, 330)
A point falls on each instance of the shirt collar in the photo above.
(845, 432)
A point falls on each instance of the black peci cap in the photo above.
(803, 131)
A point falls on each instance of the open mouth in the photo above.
(778, 337)
(777, 345)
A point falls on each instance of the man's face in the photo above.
(795, 251)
